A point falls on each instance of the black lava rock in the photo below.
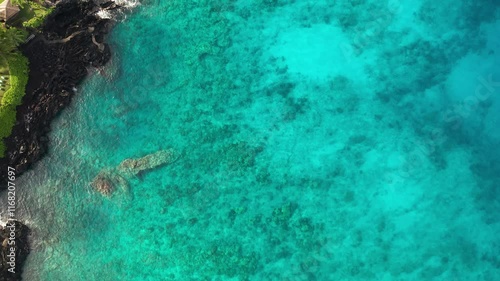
(13, 253)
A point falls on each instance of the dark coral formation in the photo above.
(67, 45)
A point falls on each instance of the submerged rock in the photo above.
(108, 180)
(132, 167)
(102, 183)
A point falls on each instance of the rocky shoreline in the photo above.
(13, 260)
(69, 43)
(56, 68)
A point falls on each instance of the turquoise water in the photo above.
(319, 140)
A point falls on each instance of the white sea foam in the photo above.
(115, 14)
(128, 3)
(103, 14)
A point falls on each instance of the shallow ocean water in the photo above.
(319, 140)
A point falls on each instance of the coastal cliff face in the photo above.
(69, 43)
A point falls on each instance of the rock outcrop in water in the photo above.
(108, 180)
(103, 183)
(132, 167)
(13, 260)
(70, 42)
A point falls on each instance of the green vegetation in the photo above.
(18, 66)
(21, 3)
(34, 15)
(18, 70)
(10, 38)
(13, 65)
